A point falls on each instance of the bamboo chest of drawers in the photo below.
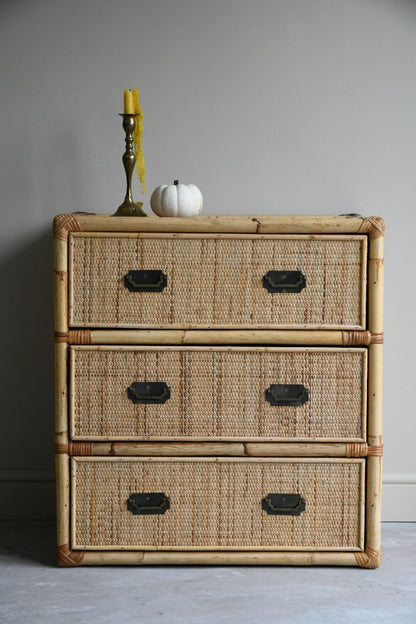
(218, 389)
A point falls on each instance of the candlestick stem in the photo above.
(129, 208)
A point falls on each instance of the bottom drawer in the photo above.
(217, 504)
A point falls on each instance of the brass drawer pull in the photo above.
(284, 281)
(145, 281)
(287, 394)
(141, 503)
(148, 392)
(284, 504)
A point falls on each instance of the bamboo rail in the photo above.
(318, 337)
(262, 224)
(69, 557)
(200, 449)
(218, 558)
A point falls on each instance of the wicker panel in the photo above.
(220, 507)
(216, 281)
(217, 393)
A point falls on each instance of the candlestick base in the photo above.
(129, 208)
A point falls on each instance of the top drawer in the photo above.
(217, 280)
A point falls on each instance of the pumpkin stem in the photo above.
(176, 181)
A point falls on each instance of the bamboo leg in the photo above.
(374, 463)
(375, 399)
(62, 499)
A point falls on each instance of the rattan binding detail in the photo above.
(74, 336)
(377, 338)
(361, 449)
(80, 336)
(61, 448)
(80, 448)
(74, 448)
(370, 558)
(67, 558)
(375, 451)
(356, 338)
(60, 336)
(373, 226)
(63, 224)
(356, 449)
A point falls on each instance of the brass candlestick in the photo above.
(129, 208)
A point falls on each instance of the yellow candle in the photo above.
(128, 101)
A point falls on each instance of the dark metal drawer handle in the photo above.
(145, 281)
(284, 504)
(141, 503)
(284, 281)
(148, 392)
(287, 394)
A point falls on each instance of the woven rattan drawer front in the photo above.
(217, 281)
(217, 504)
(218, 393)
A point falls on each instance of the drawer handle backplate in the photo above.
(284, 504)
(141, 503)
(148, 392)
(287, 394)
(284, 281)
(145, 281)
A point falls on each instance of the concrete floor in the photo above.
(33, 590)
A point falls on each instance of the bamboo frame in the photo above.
(61, 394)
(372, 336)
(375, 385)
(61, 329)
(261, 224)
(61, 285)
(62, 499)
(64, 554)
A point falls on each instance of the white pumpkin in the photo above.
(176, 200)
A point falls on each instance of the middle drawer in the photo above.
(217, 393)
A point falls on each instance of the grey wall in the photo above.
(269, 106)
